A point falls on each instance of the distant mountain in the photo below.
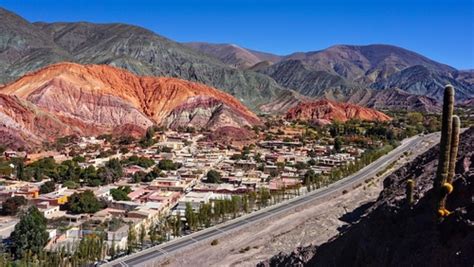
(343, 69)
(325, 111)
(25, 47)
(373, 66)
(234, 55)
(297, 75)
(93, 99)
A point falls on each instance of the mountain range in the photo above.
(342, 69)
(380, 76)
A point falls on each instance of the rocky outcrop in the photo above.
(393, 234)
(89, 97)
(325, 111)
(209, 113)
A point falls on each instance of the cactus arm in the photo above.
(454, 148)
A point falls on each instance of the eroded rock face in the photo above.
(24, 125)
(89, 98)
(325, 111)
(209, 113)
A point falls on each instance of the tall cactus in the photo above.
(449, 143)
(409, 192)
(446, 131)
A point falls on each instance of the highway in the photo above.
(149, 255)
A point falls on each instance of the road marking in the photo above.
(163, 251)
(219, 230)
(197, 241)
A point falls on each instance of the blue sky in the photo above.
(441, 30)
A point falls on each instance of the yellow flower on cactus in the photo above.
(441, 212)
(448, 187)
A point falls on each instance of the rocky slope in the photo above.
(25, 46)
(234, 55)
(326, 111)
(392, 234)
(394, 99)
(24, 125)
(89, 97)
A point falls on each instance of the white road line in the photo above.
(219, 230)
(163, 251)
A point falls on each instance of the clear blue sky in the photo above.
(441, 30)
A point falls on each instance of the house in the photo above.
(167, 198)
(55, 198)
(104, 192)
(196, 199)
(170, 183)
(278, 184)
(124, 205)
(131, 170)
(49, 211)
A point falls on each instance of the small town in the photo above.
(138, 193)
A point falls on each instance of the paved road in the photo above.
(149, 255)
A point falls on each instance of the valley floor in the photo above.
(315, 224)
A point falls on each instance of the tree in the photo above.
(190, 216)
(30, 233)
(264, 196)
(142, 234)
(20, 170)
(70, 184)
(116, 167)
(47, 187)
(120, 193)
(337, 144)
(214, 177)
(84, 202)
(152, 233)
(167, 164)
(112, 249)
(147, 140)
(414, 118)
(131, 240)
(12, 204)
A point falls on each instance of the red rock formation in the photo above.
(325, 111)
(97, 98)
